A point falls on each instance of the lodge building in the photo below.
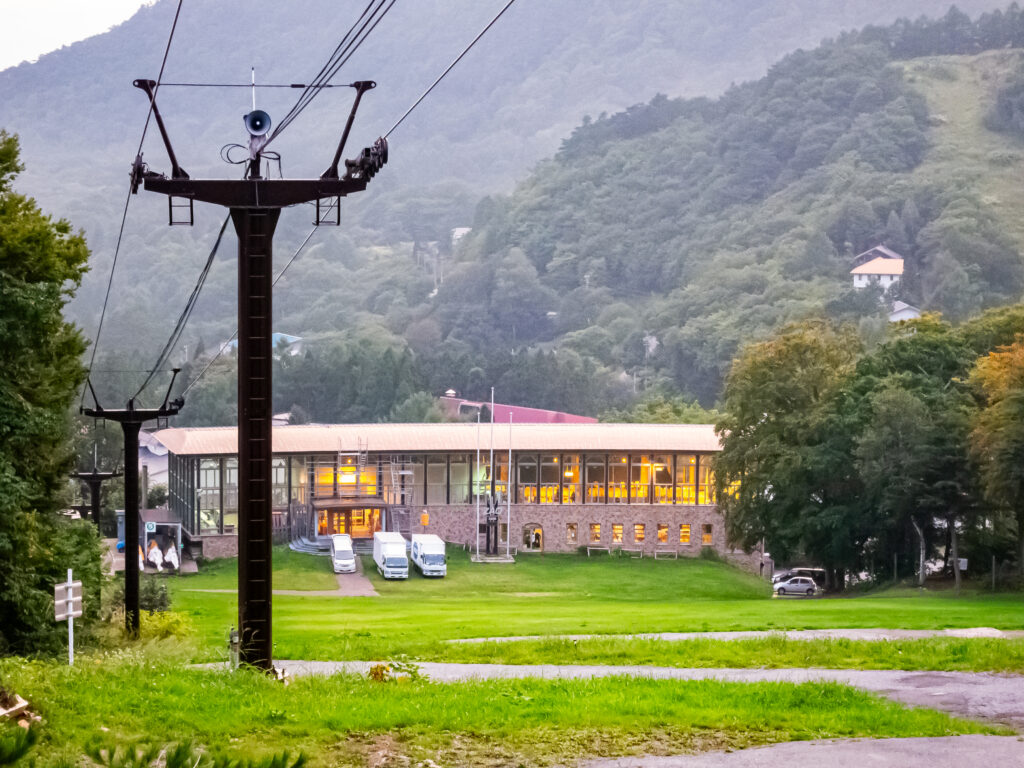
(639, 487)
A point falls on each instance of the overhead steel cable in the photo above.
(321, 77)
(450, 67)
(179, 327)
(124, 213)
(227, 344)
(342, 54)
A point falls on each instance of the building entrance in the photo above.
(359, 523)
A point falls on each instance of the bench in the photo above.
(665, 552)
(633, 552)
(599, 549)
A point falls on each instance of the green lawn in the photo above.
(945, 654)
(292, 570)
(566, 594)
(341, 720)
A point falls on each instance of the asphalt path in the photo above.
(987, 696)
(943, 752)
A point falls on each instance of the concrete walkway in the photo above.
(944, 752)
(977, 695)
(789, 634)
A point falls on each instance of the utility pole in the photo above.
(255, 205)
(93, 480)
(131, 420)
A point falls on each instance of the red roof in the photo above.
(520, 414)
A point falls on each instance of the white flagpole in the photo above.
(508, 493)
(476, 484)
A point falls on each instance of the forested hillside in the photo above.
(637, 258)
(702, 223)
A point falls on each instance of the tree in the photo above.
(784, 445)
(41, 263)
(997, 439)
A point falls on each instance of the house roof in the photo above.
(414, 438)
(880, 266)
(878, 251)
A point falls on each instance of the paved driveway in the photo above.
(945, 752)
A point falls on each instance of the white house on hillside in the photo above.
(883, 271)
(903, 311)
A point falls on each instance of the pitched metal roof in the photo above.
(416, 438)
(880, 266)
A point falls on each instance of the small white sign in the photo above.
(963, 563)
(150, 527)
(67, 603)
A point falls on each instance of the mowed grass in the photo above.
(940, 654)
(340, 720)
(566, 594)
(292, 570)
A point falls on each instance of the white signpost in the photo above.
(67, 605)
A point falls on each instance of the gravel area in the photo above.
(944, 752)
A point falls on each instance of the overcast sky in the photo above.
(30, 28)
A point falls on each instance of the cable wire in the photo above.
(252, 85)
(179, 327)
(234, 335)
(450, 67)
(319, 78)
(124, 213)
(341, 56)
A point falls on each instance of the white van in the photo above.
(428, 554)
(342, 557)
(389, 555)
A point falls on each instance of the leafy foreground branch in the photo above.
(344, 720)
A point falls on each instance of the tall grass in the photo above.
(141, 699)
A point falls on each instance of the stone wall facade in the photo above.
(456, 524)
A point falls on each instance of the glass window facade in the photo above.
(686, 479)
(596, 468)
(459, 488)
(203, 490)
(618, 478)
(570, 533)
(571, 491)
(526, 488)
(640, 479)
(639, 532)
(616, 533)
(706, 534)
(662, 533)
(550, 479)
(661, 476)
(705, 482)
(595, 533)
(437, 479)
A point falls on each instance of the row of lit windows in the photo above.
(618, 530)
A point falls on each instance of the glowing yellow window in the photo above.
(639, 532)
(662, 533)
(705, 537)
(616, 533)
(595, 533)
(684, 534)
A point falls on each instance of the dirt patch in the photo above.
(533, 748)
